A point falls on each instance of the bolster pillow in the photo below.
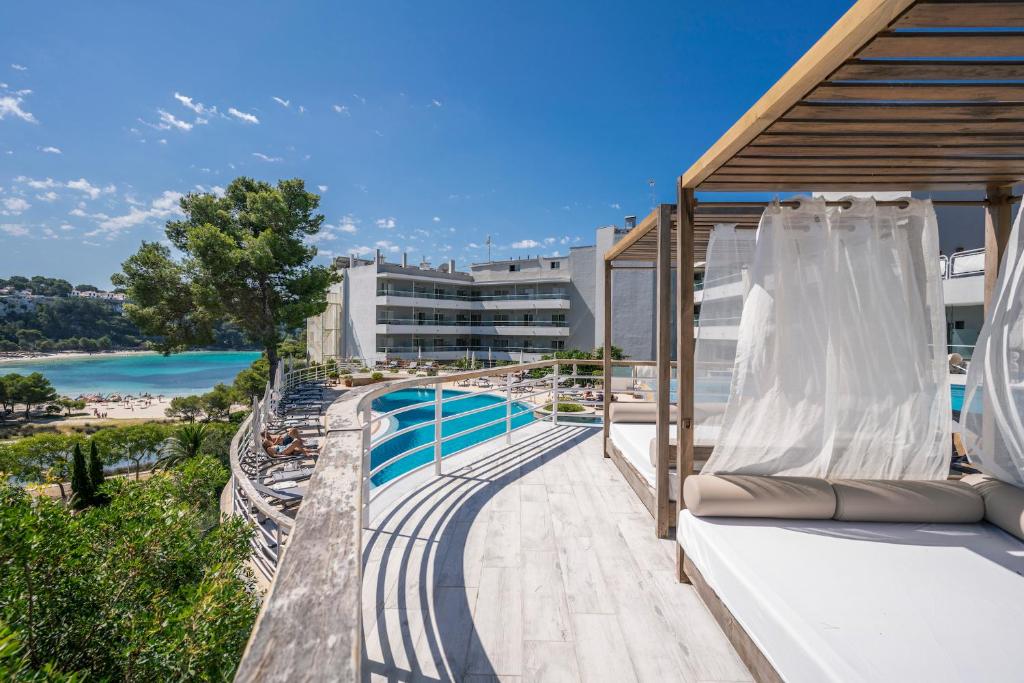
(637, 412)
(739, 495)
(876, 500)
(1004, 503)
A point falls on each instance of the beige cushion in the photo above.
(1004, 503)
(637, 411)
(876, 500)
(739, 495)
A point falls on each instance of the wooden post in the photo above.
(607, 353)
(684, 353)
(998, 222)
(663, 276)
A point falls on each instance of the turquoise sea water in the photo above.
(418, 441)
(193, 372)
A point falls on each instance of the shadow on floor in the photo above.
(429, 632)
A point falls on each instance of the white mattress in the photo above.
(633, 439)
(841, 601)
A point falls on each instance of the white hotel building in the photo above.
(527, 307)
(498, 310)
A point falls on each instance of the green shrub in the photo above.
(377, 376)
(566, 407)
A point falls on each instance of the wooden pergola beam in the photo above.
(858, 26)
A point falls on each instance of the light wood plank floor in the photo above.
(536, 563)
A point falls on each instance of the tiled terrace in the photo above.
(535, 563)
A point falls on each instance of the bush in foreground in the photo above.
(151, 587)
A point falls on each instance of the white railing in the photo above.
(273, 527)
(516, 394)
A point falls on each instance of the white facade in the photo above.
(499, 310)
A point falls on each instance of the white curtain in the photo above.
(840, 363)
(730, 254)
(992, 417)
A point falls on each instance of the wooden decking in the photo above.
(536, 563)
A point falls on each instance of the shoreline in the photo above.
(30, 357)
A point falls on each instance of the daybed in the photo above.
(860, 580)
(631, 445)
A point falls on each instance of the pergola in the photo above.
(898, 95)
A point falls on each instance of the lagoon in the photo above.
(193, 372)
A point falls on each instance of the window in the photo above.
(421, 318)
(512, 267)
(527, 318)
(958, 324)
(438, 318)
(558, 345)
(500, 292)
(558, 318)
(438, 342)
(500, 318)
(501, 343)
(527, 344)
(556, 265)
(474, 318)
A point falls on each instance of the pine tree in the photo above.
(81, 486)
(95, 472)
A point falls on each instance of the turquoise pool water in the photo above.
(194, 372)
(416, 441)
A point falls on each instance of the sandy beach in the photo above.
(133, 409)
(68, 355)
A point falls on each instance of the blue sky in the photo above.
(425, 126)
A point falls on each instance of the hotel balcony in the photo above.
(520, 328)
(507, 302)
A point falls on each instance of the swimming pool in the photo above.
(417, 442)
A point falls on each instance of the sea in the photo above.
(179, 374)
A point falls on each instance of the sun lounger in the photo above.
(285, 498)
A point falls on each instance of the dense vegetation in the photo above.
(69, 323)
(149, 586)
(245, 259)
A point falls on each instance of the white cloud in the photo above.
(615, 205)
(385, 223)
(197, 107)
(435, 103)
(322, 188)
(19, 67)
(348, 225)
(302, 110)
(437, 219)
(525, 244)
(341, 109)
(51, 150)
(387, 246)
(83, 185)
(264, 157)
(162, 141)
(169, 120)
(13, 229)
(244, 116)
(564, 240)
(10, 104)
(283, 103)
(361, 99)
(549, 240)
(162, 207)
(14, 206)
(47, 197)
(38, 184)
(66, 227)
(217, 191)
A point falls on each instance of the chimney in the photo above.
(630, 222)
(451, 265)
(352, 260)
(380, 258)
(405, 259)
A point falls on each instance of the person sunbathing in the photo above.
(287, 444)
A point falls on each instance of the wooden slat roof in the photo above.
(897, 95)
(641, 243)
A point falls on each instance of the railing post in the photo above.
(508, 408)
(554, 397)
(366, 455)
(438, 412)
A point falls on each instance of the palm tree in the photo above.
(186, 442)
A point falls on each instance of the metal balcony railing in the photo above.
(472, 323)
(445, 296)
